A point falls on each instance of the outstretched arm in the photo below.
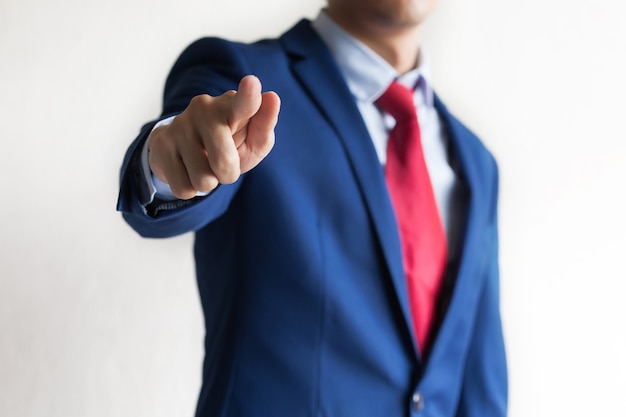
(214, 138)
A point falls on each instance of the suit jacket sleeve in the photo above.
(209, 66)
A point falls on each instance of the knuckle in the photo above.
(227, 168)
(229, 93)
(204, 182)
(201, 100)
(205, 111)
(209, 183)
(183, 193)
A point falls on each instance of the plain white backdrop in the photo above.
(95, 321)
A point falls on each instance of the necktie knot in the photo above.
(397, 100)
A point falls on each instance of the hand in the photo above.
(215, 139)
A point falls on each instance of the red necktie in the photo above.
(421, 231)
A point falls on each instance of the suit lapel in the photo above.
(475, 245)
(316, 70)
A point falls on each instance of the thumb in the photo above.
(246, 102)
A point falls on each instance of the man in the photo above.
(321, 296)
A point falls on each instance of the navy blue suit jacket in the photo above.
(299, 263)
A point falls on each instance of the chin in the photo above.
(403, 13)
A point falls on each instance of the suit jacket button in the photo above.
(417, 401)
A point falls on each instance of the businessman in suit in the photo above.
(313, 232)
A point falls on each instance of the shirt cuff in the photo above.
(155, 185)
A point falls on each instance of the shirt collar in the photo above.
(366, 73)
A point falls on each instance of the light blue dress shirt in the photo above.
(368, 76)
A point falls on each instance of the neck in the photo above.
(398, 45)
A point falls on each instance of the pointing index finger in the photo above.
(246, 102)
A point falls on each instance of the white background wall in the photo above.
(95, 321)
